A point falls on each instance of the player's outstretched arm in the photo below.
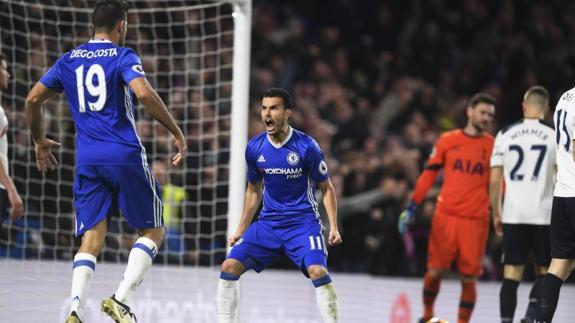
(252, 201)
(45, 160)
(330, 204)
(156, 107)
(495, 183)
(13, 196)
(423, 185)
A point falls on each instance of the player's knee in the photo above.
(316, 272)
(466, 278)
(513, 272)
(435, 273)
(232, 266)
(541, 270)
(155, 234)
(91, 243)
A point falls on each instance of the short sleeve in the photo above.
(131, 67)
(51, 80)
(315, 160)
(498, 151)
(254, 175)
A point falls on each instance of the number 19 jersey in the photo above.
(526, 151)
(95, 77)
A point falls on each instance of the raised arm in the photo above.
(45, 160)
(156, 107)
(252, 201)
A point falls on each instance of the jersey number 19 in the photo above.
(96, 90)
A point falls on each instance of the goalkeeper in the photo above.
(461, 221)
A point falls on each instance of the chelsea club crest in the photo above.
(293, 158)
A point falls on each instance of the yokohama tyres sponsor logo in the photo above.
(283, 171)
(291, 173)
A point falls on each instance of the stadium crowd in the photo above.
(375, 82)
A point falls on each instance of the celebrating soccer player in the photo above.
(99, 78)
(562, 211)
(284, 165)
(461, 222)
(523, 154)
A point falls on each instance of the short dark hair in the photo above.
(537, 95)
(3, 58)
(276, 92)
(481, 98)
(107, 13)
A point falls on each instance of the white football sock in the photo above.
(228, 300)
(84, 266)
(139, 261)
(327, 302)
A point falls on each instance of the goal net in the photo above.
(187, 50)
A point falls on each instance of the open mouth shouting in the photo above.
(270, 124)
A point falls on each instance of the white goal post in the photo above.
(196, 54)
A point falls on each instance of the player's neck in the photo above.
(533, 116)
(105, 36)
(472, 131)
(279, 136)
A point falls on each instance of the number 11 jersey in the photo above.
(95, 77)
(564, 120)
(526, 151)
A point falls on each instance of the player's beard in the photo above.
(281, 126)
(478, 126)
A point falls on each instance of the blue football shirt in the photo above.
(95, 77)
(289, 172)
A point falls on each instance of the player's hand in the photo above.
(498, 226)
(233, 239)
(45, 160)
(182, 150)
(334, 238)
(406, 218)
(17, 206)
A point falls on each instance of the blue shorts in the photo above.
(132, 188)
(262, 244)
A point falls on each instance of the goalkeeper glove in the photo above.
(406, 217)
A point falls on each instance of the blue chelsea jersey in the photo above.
(289, 172)
(95, 77)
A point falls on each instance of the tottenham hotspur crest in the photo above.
(293, 158)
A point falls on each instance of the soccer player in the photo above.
(562, 211)
(523, 154)
(461, 220)
(284, 165)
(8, 192)
(99, 78)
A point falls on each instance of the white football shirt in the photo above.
(526, 151)
(564, 120)
(3, 141)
